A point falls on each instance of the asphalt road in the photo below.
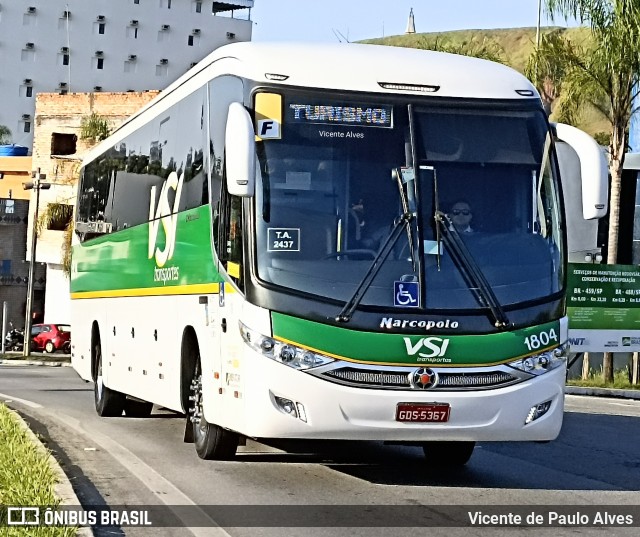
(123, 461)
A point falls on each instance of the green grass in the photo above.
(26, 478)
(620, 381)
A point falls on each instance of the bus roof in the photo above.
(353, 67)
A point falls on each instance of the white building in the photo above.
(104, 45)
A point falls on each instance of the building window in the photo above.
(63, 143)
(101, 27)
(27, 126)
(190, 41)
(60, 215)
(5, 266)
(9, 206)
(65, 59)
(198, 7)
(100, 63)
(28, 91)
(136, 1)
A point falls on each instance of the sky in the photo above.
(353, 20)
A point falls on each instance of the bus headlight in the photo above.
(285, 353)
(538, 364)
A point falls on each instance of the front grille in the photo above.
(371, 378)
(475, 380)
(399, 379)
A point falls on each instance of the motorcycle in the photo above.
(14, 340)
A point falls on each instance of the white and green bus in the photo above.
(270, 248)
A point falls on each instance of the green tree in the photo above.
(94, 128)
(546, 67)
(5, 135)
(604, 75)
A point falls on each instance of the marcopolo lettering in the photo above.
(390, 323)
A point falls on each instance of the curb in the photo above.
(34, 362)
(603, 392)
(63, 488)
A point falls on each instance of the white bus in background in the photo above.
(269, 247)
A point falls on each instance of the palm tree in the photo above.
(5, 135)
(604, 75)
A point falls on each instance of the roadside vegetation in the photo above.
(595, 380)
(26, 478)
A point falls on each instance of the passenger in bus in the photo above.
(461, 216)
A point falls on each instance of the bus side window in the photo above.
(230, 243)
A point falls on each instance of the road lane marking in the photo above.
(158, 485)
(11, 399)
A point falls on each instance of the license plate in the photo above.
(422, 412)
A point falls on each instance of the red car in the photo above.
(51, 337)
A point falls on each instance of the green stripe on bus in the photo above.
(411, 349)
(119, 262)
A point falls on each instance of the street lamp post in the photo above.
(37, 184)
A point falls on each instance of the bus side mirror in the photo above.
(240, 152)
(594, 173)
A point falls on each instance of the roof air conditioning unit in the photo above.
(97, 88)
(99, 53)
(27, 81)
(196, 31)
(164, 61)
(31, 9)
(133, 22)
(132, 57)
(230, 35)
(64, 50)
(165, 27)
(66, 14)
(29, 45)
(26, 117)
(100, 18)
(62, 85)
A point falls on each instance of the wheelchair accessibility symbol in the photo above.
(405, 294)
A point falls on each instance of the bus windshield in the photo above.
(345, 170)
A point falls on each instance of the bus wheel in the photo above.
(137, 409)
(212, 441)
(448, 453)
(109, 402)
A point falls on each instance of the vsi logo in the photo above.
(435, 345)
(167, 215)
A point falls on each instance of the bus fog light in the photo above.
(537, 411)
(287, 406)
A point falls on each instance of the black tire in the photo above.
(137, 409)
(212, 442)
(448, 453)
(48, 347)
(109, 403)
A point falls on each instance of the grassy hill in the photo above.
(514, 46)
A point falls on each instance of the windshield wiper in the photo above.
(347, 311)
(471, 270)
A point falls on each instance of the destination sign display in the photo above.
(348, 115)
